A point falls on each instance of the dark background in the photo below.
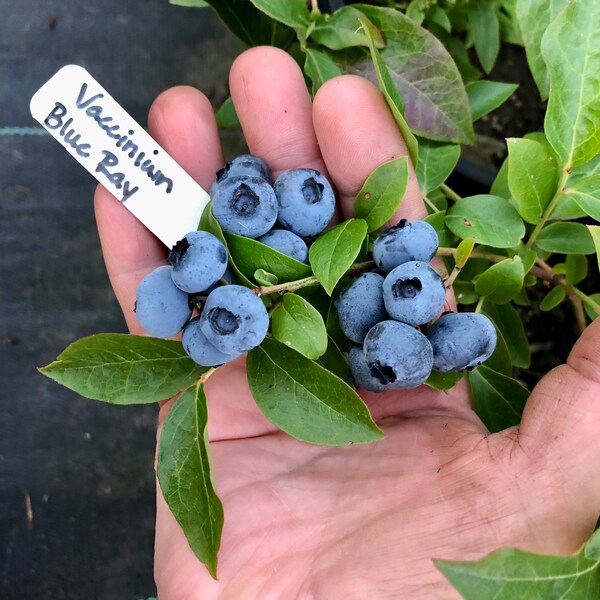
(76, 476)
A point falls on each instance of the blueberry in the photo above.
(398, 355)
(245, 205)
(461, 341)
(360, 306)
(306, 201)
(161, 308)
(413, 293)
(199, 260)
(245, 164)
(407, 241)
(287, 243)
(361, 374)
(234, 319)
(199, 349)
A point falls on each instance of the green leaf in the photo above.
(210, 224)
(485, 29)
(591, 167)
(320, 67)
(436, 161)
(500, 185)
(184, 474)
(293, 13)
(438, 15)
(392, 96)
(571, 48)
(586, 194)
(497, 399)
(486, 95)
(249, 24)
(500, 361)
(305, 400)
(382, 193)
(576, 268)
(334, 251)
(509, 573)
(591, 548)
(565, 238)
(553, 298)
(438, 222)
(190, 3)
(491, 220)
(591, 311)
(533, 176)
(342, 29)
(335, 362)
(300, 326)
(510, 31)
(426, 76)
(463, 251)
(263, 277)
(250, 255)
(443, 381)
(226, 115)
(594, 231)
(124, 369)
(502, 281)
(509, 323)
(534, 16)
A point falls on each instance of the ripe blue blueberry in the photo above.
(461, 341)
(246, 164)
(407, 241)
(161, 308)
(245, 205)
(199, 349)
(413, 293)
(306, 201)
(360, 306)
(361, 374)
(287, 243)
(234, 319)
(199, 260)
(398, 355)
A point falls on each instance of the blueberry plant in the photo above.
(322, 310)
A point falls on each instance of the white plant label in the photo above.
(77, 111)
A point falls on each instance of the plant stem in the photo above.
(314, 9)
(495, 258)
(549, 210)
(586, 299)
(291, 286)
(431, 205)
(450, 193)
(206, 375)
(577, 305)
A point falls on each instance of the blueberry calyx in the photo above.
(178, 252)
(223, 321)
(312, 191)
(407, 288)
(383, 373)
(244, 201)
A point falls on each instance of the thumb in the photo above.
(560, 428)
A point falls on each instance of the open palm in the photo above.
(363, 521)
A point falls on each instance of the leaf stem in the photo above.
(549, 210)
(206, 375)
(431, 205)
(577, 305)
(586, 299)
(315, 12)
(292, 286)
(450, 193)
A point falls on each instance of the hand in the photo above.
(363, 521)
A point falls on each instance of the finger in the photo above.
(356, 133)
(275, 109)
(182, 122)
(559, 428)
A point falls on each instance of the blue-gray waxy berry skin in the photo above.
(361, 373)
(360, 306)
(398, 355)
(245, 205)
(199, 260)
(461, 341)
(287, 243)
(306, 201)
(245, 164)
(161, 308)
(199, 349)
(413, 293)
(405, 242)
(234, 319)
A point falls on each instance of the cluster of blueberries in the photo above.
(381, 315)
(384, 316)
(233, 319)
